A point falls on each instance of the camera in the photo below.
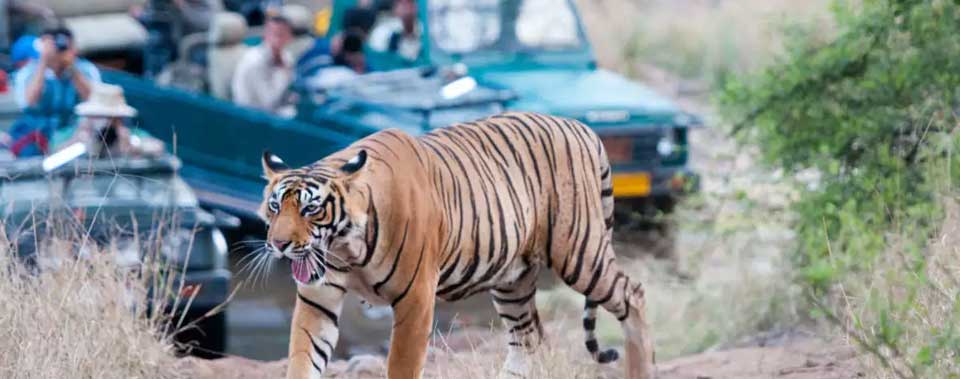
(61, 41)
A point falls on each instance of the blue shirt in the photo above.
(54, 109)
(315, 58)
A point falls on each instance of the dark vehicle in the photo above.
(119, 203)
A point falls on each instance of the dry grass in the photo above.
(920, 306)
(81, 318)
(563, 356)
(696, 39)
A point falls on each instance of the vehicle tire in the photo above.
(209, 338)
(646, 224)
(214, 342)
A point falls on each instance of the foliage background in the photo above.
(872, 112)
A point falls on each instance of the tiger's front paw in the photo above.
(516, 367)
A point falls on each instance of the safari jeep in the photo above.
(537, 50)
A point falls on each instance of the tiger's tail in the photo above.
(589, 325)
(590, 308)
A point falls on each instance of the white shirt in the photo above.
(261, 83)
(408, 46)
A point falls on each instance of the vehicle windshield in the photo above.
(466, 26)
(160, 191)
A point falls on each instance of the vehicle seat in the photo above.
(227, 31)
(89, 19)
(302, 21)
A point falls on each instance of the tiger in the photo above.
(472, 207)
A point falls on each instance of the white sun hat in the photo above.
(106, 100)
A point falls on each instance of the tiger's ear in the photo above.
(355, 163)
(272, 165)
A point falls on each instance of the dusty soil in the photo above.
(795, 357)
(798, 358)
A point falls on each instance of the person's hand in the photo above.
(68, 58)
(48, 50)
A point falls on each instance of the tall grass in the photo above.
(704, 40)
(903, 307)
(64, 317)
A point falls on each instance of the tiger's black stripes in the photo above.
(337, 286)
(326, 312)
(316, 348)
(396, 260)
(479, 206)
(410, 283)
(522, 299)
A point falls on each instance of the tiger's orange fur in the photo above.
(474, 207)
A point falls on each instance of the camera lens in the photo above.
(62, 42)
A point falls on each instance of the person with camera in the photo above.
(47, 89)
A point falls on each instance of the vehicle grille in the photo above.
(634, 148)
(645, 146)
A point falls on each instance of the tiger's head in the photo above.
(314, 216)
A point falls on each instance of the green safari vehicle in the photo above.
(499, 54)
(538, 51)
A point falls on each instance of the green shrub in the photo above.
(873, 114)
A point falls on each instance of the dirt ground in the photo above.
(800, 358)
(796, 356)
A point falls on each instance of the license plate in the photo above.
(634, 184)
(619, 149)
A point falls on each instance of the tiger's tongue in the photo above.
(300, 271)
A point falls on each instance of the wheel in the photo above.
(208, 339)
(648, 224)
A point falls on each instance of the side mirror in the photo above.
(224, 220)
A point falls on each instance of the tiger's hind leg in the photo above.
(605, 284)
(516, 305)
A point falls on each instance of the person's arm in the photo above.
(81, 82)
(274, 98)
(82, 74)
(35, 84)
(240, 91)
(34, 87)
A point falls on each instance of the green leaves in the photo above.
(875, 113)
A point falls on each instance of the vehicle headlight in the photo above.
(667, 143)
(177, 245)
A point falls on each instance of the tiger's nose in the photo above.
(280, 245)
